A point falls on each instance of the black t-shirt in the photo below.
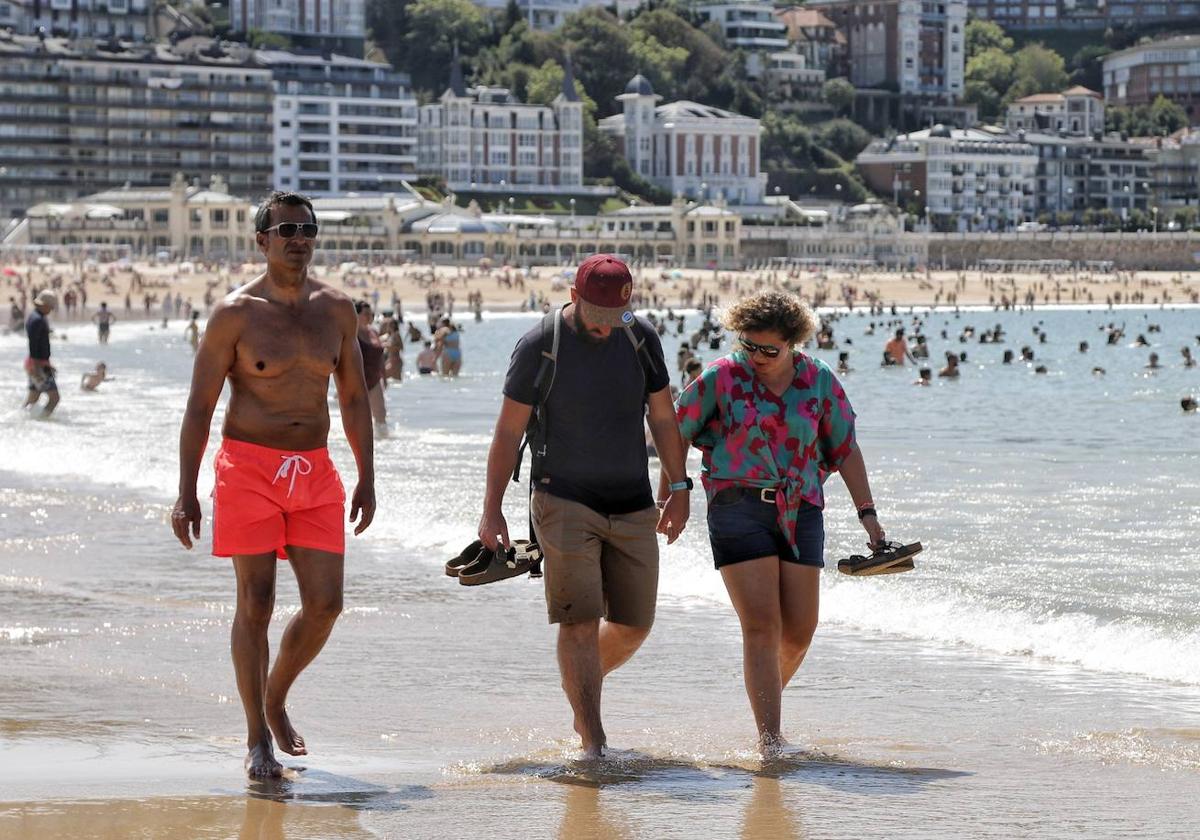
(38, 331)
(596, 447)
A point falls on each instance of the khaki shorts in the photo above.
(596, 565)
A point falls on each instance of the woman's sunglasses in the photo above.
(768, 350)
(288, 230)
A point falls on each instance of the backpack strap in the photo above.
(535, 430)
(633, 332)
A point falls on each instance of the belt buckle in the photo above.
(764, 497)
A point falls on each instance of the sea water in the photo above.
(1038, 673)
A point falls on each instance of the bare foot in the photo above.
(261, 764)
(772, 746)
(281, 727)
(593, 742)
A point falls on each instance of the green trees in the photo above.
(983, 35)
(1160, 117)
(1037, 69)
(839, 93)
(433, 28)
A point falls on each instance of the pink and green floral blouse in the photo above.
(752, 437)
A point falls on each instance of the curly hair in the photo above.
(773, 311)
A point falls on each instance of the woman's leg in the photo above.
(378, 404)
(799, 598)
(754, 589)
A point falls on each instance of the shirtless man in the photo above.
(897, 349)
(278, 340)
(104, 321)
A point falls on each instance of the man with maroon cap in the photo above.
(593, 512)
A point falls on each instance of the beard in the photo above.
(583, 331)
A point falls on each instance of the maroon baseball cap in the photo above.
(604, 286)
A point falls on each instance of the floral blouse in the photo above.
(751, 437)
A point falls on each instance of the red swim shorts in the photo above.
(266, 499)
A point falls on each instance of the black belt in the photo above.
(733, 494)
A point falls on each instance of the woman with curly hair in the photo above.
(772, 423)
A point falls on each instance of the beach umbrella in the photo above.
(9, 271)
(45, 261)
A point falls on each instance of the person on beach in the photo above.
(950, 371)
(37, 364)
(427, 360)
(191, 333)
(278, 340)
(447, 343)
(372, 349)
(772, 424)
(104, 321)
(593, 513)
(91, 380)
(897, 349)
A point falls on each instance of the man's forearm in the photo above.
(193, 438)
(502, 460)
(356, 421)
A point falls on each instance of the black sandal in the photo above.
(464, 559)
(501, 564)
(887, 559)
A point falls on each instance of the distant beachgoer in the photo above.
(278, 340)
(921, 350)
(91, 381)
(104, 321)
(772, 423)
(1153, 363)
(1098, 371)
(1141, 341)
(694, 366)
(16, 315)
(393, 365)
(447, 343)
(1083, 347)
(897, 349)
(1008, 357)
(1188, 404)
(593, 512)
(37, 364)
(191, 332)
(1188, 359)
(373, 351)
(843, 365)
(925, 377)
(427, 360)
(950, 371)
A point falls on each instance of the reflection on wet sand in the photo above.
(587, 818)
(767, 814)
(214, 816)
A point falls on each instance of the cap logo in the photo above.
(626, 317)
(626, 291)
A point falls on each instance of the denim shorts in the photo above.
(748, 528)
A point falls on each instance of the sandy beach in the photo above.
(144, 286)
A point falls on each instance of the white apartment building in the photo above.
(483, 140)
(1077, 112)
(127, 19)
(690, 149)
(751, 26)
(341, 23)
(548, 15)
(964, 179)
(342, 125)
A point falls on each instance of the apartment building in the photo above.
(341, 124)
(962, 179)
(690, 149)
(1170, 68)
(128, 19)
(1076, 174)
(546, 15)
(78, 119)
(913, 47)
(325, 24)
(814, 36)
(1076, 111)
(750, 26)
(1088, 14)
(482, 139)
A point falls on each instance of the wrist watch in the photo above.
(686, 484)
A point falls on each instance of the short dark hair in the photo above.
(262, 218)
(360, 305)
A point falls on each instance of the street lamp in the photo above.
(1154, 214)
(572, 203)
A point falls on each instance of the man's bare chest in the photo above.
(274, 344)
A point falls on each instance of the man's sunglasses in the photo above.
(768, 350)
(288, 230)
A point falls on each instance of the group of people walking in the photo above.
(771, 422)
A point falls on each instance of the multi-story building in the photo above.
(913, 47)
(483, 140)
(962, 179)
(77, 120)
(1076, 111)
(690, 149)
(788, 77)
(326, 24)
(129, 19)
(1170, 68)
(1088, 14)
(549, 14)
(1175, 169)
(814, 36)
(341, 124)
(748, 25)
(1076, 174)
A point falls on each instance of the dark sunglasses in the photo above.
(768, 350)
(288, 230)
